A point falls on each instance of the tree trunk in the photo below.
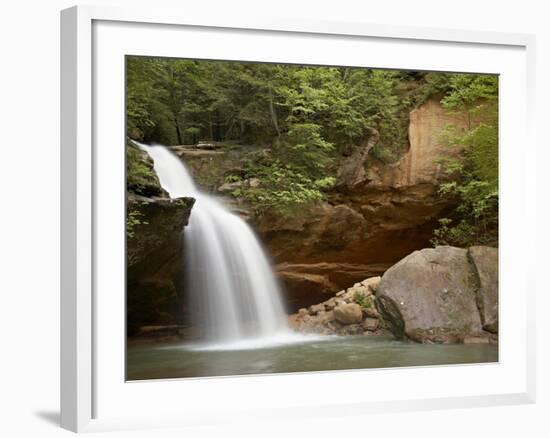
(217, 133)
(273, 113)
(346, 73)
(352, 172)
(210, 128)
(178, 131)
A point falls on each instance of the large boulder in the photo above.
(432, 294)
(485, 261)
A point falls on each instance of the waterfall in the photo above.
(234, 294)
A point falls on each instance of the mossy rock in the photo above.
(141, 178)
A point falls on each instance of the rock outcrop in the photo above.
(442, 295)
(141, 180)
(434, 295)
(154, 260)
(153, 247)
(352, 172)
(379, 215)
(349, 312)
(310, 283)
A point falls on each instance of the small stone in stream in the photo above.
(316, 308)
(330, 304)
(302, 312)
(351, 329)
(371, 312)
(474, 339)
(334, 325)
(348, 313)
(326, 317)
(339, 294)
(370, 324)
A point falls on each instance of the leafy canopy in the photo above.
(474, 178)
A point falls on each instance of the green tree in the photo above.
(310, 119)
(474, 177)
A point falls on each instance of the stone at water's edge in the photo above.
(432, 294)
(485, 261)
(348, 313)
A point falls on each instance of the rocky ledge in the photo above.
(154, 260)
(350, 312)
(435, 295)
(154, 226)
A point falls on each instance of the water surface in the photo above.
(176, 360)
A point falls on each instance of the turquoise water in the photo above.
(176, 360)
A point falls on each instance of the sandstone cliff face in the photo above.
(419, 165)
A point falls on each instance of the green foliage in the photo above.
(362, 300)
(237, 193)
(282, 188)
(467, 90)
(140, 73)
(133, 219)
(136, 168)
(325, 183)
(474, 178)
(232, 178)
(306, 149)
(140, 177)
(311, 118)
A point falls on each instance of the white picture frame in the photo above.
(91, 393)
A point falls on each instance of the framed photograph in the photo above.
(335, 208)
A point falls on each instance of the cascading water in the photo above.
(233, 290)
